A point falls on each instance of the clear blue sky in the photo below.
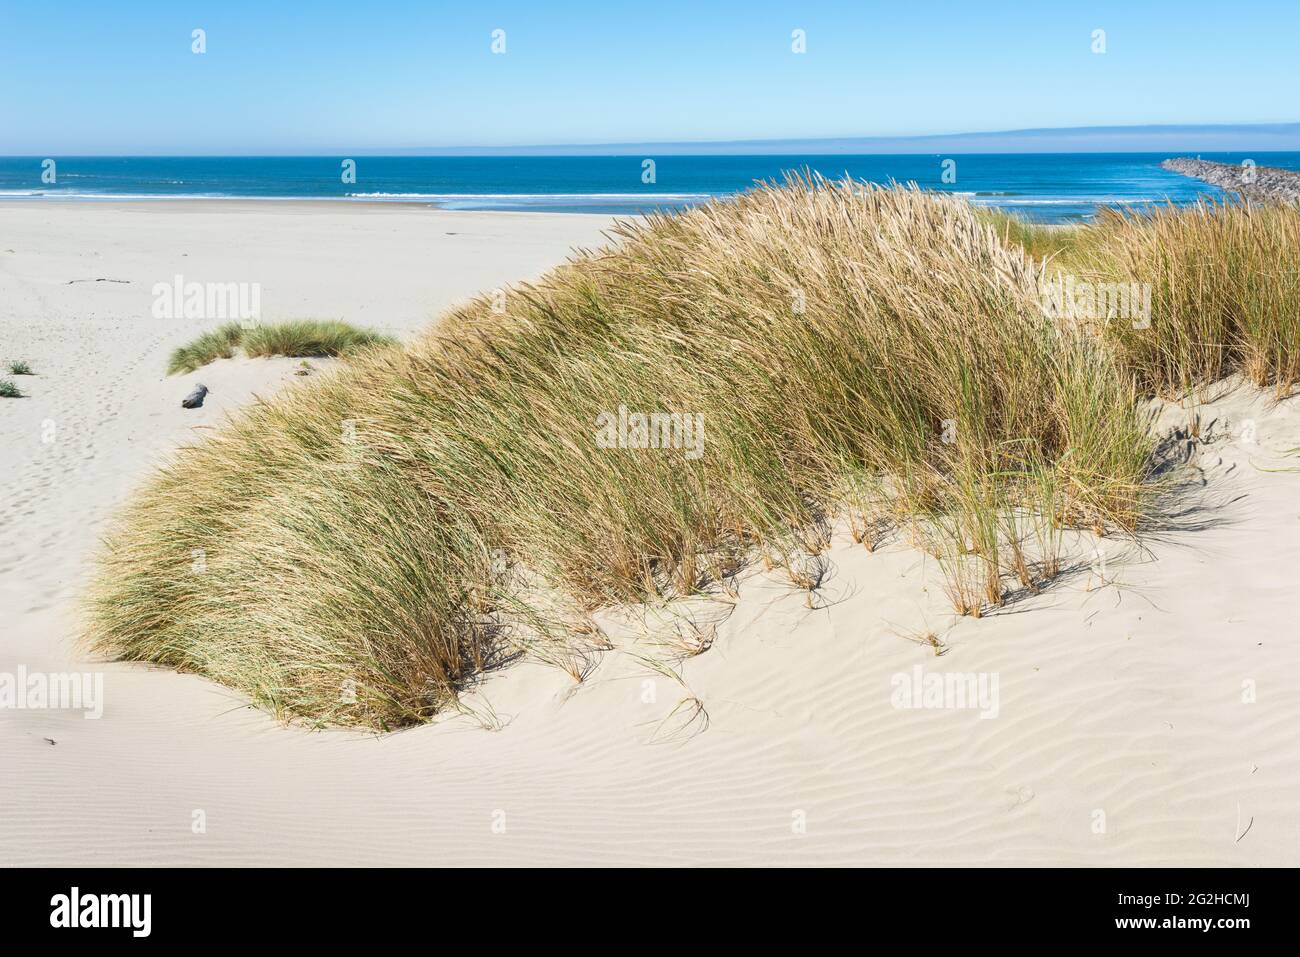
(93, 76)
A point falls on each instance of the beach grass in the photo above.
(298, 337)
(1225, 292)
(220, 343)
(309, 337)
(1042, 241)
(19, 367)
(9, 390)
(362, 552)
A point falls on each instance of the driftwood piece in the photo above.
(195, 399)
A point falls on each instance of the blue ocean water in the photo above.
(1047, 187)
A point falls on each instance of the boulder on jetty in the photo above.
(1251, 181)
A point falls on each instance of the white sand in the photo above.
(1122, 698)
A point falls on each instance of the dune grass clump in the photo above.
(358, 552)
(309, 337)
(19, 367)
(220, 343)
(1224, 284)
(8, 390)
(299, 337)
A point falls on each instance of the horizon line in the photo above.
(1152, 138)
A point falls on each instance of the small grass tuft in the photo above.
(298, 337)
(220, 343)
(20, 367)
(8, 390)
(309, 337)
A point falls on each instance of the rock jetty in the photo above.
(1260, 183)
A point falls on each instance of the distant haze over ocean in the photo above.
(1152, 138)
(1282, 137)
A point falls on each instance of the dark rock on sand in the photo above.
(195, 399)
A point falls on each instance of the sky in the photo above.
(92, 77)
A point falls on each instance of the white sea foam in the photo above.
(541, 200)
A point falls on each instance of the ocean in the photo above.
(1045, 187)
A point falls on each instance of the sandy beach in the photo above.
(1143, 712)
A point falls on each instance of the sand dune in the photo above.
(1145, 710)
